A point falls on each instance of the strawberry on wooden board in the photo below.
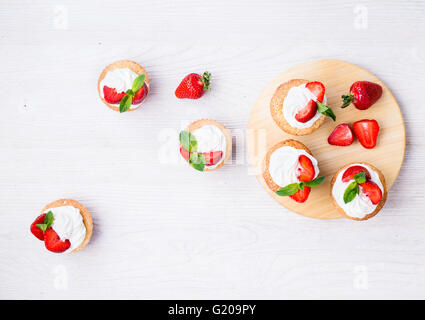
(301, 195)
(305, 169)
(36, 231)
(317, 88)
(367, 132)
(363, 94)
(111, 95)
(307, 113)
(349, 174)
(372, 191)
(342, 135)
(213, 157)
(53, 242)
(193, 86)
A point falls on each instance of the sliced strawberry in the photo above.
(307, 113)
(141, 94)
(372, 190)
(341, 136)
(301, 195)
(213, 157)
(54, 243)
(36, 231)
(111, 95)
(367, 132)
(305, 169)
(317, 88)
(352, 171)
(185, 154)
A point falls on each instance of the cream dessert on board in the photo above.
(299, 107)
(64, 225)
(289, 169)
(205, 145)
(359, 191)
(123, 85)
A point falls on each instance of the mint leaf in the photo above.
(47, 223)
(197, 160)
(130, 93)
(351, 192)
(360, 177)
(289, 190)
(125, 103)
(42, 227)
(325, 110)
(314, 183)
(188, 141)
(138, 83)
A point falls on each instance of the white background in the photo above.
(163, 230)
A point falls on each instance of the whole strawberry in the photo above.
(363, 94)
(193, 86)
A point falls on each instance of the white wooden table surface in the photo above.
(163, 230)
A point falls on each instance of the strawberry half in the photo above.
(111, 95)
(307, 113)
(352, 171)
(367, 132)
(140, 94)
(317, 88)
(193, 86)
(36, 231)
(301, 195)
(372, 191)
(53, 242)
(305, 169)
(213, 157)
(342, 135)
(185, 154)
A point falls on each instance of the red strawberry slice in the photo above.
(372, 190)
(301, 195)
(341, 136)
(305, 169)
(36, 231)
(307, 113)
(141, 94)
(367, 132)
(111, 96)
(213, 157)
(53, 242)
(185, 154)
(317, 88)
(352, 171)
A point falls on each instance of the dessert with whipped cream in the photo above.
(299, 107)
(64, 225)
(123, 85)
(289, 169)
(359, 191)
(205, 144)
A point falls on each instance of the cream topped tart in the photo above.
(299, 107)
(123, 85)
(205, 145)
(359, 191)
(289, 169)
(64, 225)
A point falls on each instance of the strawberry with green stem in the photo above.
(193, 86)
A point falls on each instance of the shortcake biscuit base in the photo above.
(266, 174)
(134, 66)
(380, 204)
(276, 109)
(87, 219)
(203, 122)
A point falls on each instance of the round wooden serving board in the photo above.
(337, 76)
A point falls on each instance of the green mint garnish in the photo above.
(325, 110)
(189, 143)
(293, 188)
(197, 160)
(126, 101)
(47, 223)
(360, 177)
(351, 192)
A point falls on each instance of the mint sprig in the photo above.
(189, 143)
(47, 223)
(293, 188)
(325, 110)
(126, 101)
(353, 188)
